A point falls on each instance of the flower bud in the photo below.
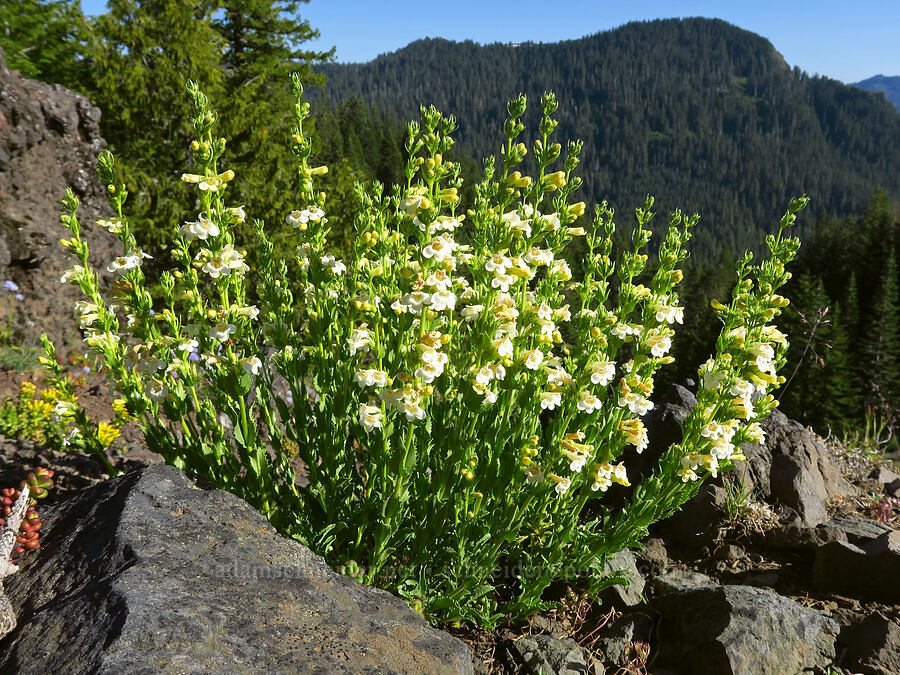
(576, 209)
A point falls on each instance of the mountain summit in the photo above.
(702, 114)
(888, 85)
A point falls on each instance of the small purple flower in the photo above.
(10, 285)
(19, 297)
(86, 370)
(194, 355)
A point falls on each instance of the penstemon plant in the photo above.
(449, 439)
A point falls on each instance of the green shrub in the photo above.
(456, 450)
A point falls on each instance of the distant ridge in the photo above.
(888, 85)
(702, 114)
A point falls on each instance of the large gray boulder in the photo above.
(739, 630)
(148, 573)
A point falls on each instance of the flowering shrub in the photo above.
(456, 448)
(53, 417)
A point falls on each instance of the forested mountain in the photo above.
(699, 113)
(889, 86)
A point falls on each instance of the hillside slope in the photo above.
(703, 115)
(889, 86)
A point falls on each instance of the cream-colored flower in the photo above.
(221, 331)
(370, 417)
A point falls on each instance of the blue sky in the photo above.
(846, 40)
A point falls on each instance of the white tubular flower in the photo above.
(543, 311)
(499, 371)
(370, 378)
(439, 280)
(398, 306)
(113, 225)
(237, 213)
(156, 390)
(413, 411)
(484, 375)
(722, 448)
(64, 409)
(359, 340)
(558, 377)
(413, 203)
(533, 474)
(202, 228)
(635, 433)
(551, 221)
(668, 313)
(659, 344)
(602, 481)
(234, 259)
(504, 347)
(333, 264)
(370, 417)
(498, 264)
(560, 268)
(621, 330)
(711, 463)
(415, 300)
(637, 404)
(124, 263)
(440, 248)
(429, 372)
(710, 377)
(187, 345)
(602, 372)
(73, 275)
(765, 357)
(216, 267)
(775, 335)
(221, 331)
(471, 312)
(441, 300)
(550, 400)
(756, 433)
(562, 484)
(503, 281)
(537, 257)
(588, 403)
(445, 223)
(618, 474)
(251, 364)
(533, 359)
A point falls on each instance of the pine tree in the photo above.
(263, 41)
(882, 345)
(43, 40)
(807, 322)
(842, 404)
(142, 54)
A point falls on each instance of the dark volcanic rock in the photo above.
(624, 563)
(869, 571)
(795, 538)
(874, 646)
(147, 573)
(860, 530)
(545, 655)
(793, 468)
(741, 631)
(49, 140)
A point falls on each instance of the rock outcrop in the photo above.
(49, 140)
(151, 573)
